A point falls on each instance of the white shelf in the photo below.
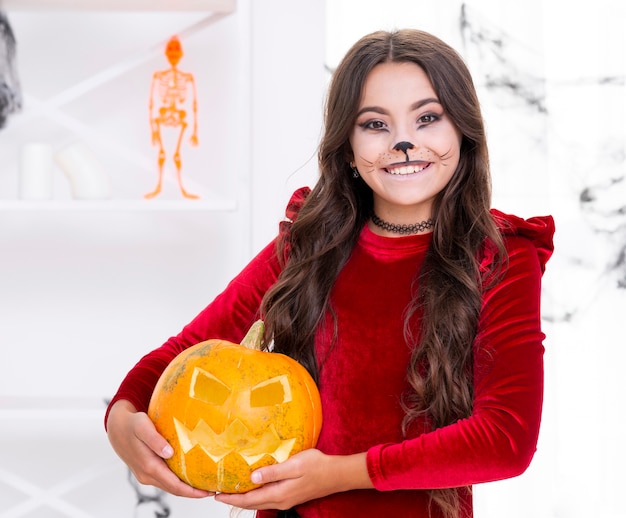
(215, 6)
(225, 205)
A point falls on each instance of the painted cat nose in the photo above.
(403, 146)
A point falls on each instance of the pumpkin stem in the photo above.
(254, 336)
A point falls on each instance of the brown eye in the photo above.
(428, 118)
(373, 125)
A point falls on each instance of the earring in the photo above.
(355, 172)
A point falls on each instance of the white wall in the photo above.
(289, 84)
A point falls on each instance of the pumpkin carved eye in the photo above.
(275, 391)
(207, 388)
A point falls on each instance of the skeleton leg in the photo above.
(178, 164)
(161, 161)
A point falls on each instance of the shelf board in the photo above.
(215, 6)
(225, 205)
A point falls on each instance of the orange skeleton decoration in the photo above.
(171, 86)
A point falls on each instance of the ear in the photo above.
(348, 154)
(349, 158)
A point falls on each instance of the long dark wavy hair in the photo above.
(450, 283)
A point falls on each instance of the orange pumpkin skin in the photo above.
(228, 410)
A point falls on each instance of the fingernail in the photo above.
(167, 452)
(255, 477)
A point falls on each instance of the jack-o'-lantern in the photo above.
(228, 409)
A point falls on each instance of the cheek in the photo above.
(447, 141)
(367, 147)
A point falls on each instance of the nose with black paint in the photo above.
(404, 147)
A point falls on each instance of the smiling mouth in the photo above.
(406, 169)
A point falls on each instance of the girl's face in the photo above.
(405, 146)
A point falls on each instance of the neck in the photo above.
(404, 229)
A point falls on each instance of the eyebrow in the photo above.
(415, 106)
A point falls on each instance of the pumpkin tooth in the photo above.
(268, 444)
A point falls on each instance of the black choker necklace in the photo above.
(405, 230)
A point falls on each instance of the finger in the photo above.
(290, 469)
(138, 443)
(255, 499)
(155, 472)
(272, 495)
(177, 487)
(267, 474)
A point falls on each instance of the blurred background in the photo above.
(92, 280)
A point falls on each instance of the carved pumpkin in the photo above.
(228, 409)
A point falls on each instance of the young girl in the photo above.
(415, 307)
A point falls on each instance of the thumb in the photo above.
(149, 435)
(166, 452)
(265, 475)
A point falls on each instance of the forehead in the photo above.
(388, 82)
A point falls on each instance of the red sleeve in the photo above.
(499, 439)
(228, 317)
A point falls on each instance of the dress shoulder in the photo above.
(539, 230)
(296, 202)
(294, 205)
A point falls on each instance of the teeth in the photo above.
(405, 170)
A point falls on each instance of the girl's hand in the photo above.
(306, 476)
(137, 442)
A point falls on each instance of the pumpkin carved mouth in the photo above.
(236, 438)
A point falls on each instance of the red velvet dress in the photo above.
(363, 375)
